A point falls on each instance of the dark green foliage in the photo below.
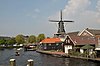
(74, 53)
(40, 37)
(32, 39)
(20, 39)
(11, 41)
(87, 46)
(2, 41)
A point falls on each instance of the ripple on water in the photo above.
(40, 59)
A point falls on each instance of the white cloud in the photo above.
(78, 10)
(74, 7)
(98, 5)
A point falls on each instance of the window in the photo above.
(49, 44)
(57, 44)
(68, 41)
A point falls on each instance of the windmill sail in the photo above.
(61, 24)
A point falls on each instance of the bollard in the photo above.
(12, 62)
(30, 62)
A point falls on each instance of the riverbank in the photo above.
(40, 59)
(53, 53)
(62, 54)
(84, 58)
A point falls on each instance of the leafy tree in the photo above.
(20, 39)
(32, 39)
(11, 41)
(40, 37)
(2, 41)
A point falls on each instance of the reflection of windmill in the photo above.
(61, 29)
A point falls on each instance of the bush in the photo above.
(75, 53)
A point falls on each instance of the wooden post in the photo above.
(12, 62)
(30, 62)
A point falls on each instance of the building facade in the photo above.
(51, 44)
(82, 38)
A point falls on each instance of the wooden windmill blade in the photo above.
(54, 21)
(61, 24)
(67, 21)
(60, 21)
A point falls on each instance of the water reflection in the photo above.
(41, 59)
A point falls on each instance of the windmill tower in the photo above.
(61, 31)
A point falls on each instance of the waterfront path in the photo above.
(91, 59)
(51, 52)
(54, 53)
(62, 54)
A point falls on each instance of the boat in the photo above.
(30, 47)
(17, 53)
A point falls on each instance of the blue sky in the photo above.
(30, 17)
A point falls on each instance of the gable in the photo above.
(94, 31)
(68, 41)
(85, 33)
(84, 37)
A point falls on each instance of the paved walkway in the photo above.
(51, 52)
(62, 54)
(54, 53)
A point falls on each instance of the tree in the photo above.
(32, 39)
(11, 41)
(2, 41)
(20, 39)
(87, 47)
(40, 37)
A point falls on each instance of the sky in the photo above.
(31, 17)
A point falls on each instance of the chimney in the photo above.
(87, 28)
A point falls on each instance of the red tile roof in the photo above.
(51, 40)
(82, 40)
(94, 31)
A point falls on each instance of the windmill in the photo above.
(61, 30)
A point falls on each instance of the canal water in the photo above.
(40, 59)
